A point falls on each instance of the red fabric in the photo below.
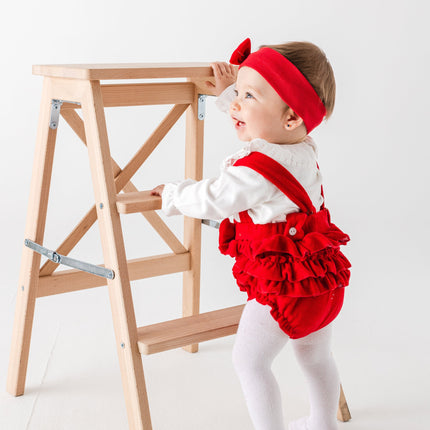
(241, 52)
(295, 266)
(278, 175)
(286, 79)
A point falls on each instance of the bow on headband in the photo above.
(242, 52)
(286, 79)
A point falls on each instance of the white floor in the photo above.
(73, 379)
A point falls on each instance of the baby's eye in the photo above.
(236, 93)
(249, 96)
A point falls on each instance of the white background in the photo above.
(374, 155)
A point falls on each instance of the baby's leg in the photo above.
(259, 340)
(314, 355)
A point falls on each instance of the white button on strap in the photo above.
(292, 231)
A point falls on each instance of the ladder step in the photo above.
(139, 201)
(188, 330)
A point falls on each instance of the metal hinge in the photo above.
(55, 112)
(201, 109)
(71, 262)
(211, 223)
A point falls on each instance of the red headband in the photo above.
(286, 79)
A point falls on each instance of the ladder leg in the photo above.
(30, 263)
(343, 413)
(123, 315)
(192, 227)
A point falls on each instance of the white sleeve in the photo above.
(238, 188)
(225, 98)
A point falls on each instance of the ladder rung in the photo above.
(66, 281)
(188, 330)
(139, 201)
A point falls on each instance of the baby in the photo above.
(269, 196)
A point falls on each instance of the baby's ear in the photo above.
(291, 120)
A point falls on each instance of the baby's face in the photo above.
(257, 111)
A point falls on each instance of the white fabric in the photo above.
(259, 340)
(240, 188)
(224, 100)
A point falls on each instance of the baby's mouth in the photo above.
(238, 123)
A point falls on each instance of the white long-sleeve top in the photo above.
(239, 188)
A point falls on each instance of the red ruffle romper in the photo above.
(294, 266)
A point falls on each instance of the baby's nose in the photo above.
(235, 105)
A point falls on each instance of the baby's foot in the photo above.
(300, 424)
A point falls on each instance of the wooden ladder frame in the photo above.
(78, 86)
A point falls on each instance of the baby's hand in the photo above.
(158, 190)
(225, 75)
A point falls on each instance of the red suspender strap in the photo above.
(280, 177)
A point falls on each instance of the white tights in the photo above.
(259, 340)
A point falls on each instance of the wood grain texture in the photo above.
(192, 226)
(66, 281)
(30, 263)
(140, 201)
(123, 316)
(343, 413)
(189, 330)
(147, 94)
(125, 70)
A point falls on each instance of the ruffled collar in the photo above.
(285, 154)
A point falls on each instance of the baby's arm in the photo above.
(236, 189)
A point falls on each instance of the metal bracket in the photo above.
(211, 223)
(71, 262)
(201, 109)
(55, 113)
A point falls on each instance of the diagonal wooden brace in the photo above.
(122, 182)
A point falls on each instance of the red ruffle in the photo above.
(271, 260)
(298, 317)
(309, 287)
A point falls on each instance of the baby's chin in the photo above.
(244, 137)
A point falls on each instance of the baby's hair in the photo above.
(314, 65)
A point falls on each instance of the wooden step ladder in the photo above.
(66, 89)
